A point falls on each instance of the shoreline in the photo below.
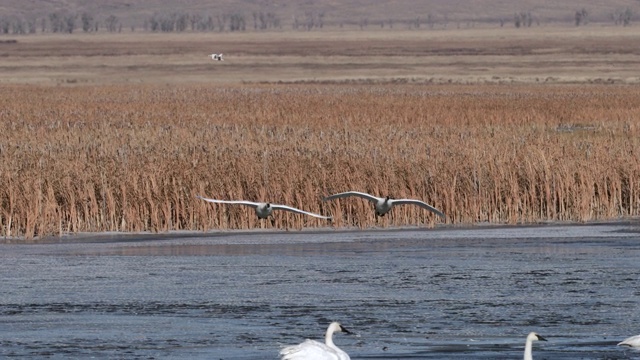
(138, 237)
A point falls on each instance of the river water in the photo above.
(443, 293)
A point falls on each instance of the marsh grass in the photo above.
(133, 158)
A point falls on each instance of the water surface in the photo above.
(443, 293)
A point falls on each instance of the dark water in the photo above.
(408, 294)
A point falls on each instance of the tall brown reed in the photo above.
(116, 158)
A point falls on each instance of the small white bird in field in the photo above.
(216, 57)
(384, 205)
(529, 344)
(314, 350)
(633, 341)
(264, 210)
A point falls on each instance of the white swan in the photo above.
(529, 344)
(633, 341)
(216, 57)
(313, 350)
(264, 210)
(383, 205)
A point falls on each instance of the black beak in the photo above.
(344, 330)
(541, 338)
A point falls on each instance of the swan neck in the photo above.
(328, 339)
(527, 351)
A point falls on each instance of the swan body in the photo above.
(314, 350)
(633, 341)
(529, 344)
(217, 57)
(384, 205)
(264, 210)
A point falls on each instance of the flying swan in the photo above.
(384, 205)
(529, 344)
(216, 57)
(264, 210)
(314, 350)
(633, 341)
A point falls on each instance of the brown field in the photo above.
(597, 54)
(514, 129)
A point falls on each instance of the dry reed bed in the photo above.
(132, 158)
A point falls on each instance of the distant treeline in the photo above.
(70, 22)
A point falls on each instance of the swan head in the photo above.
(337, 327)
(535, 337)
(267, 205)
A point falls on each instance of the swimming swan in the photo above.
(527, 348)
(314, 350)
(264, 210)
(383, 205)
(633, 341)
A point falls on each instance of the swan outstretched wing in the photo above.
(353, 193)
(292, 209)
(233, 202)
(422, 204)
(309, 349)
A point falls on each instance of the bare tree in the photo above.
(626, 18)
(209, 25)
(222, 22)
(182, 21)
(581, 17)
(112, 23)
(237, 22)
(70, 23)
(295, 23)
(168, 23)
(31, 24)
(523, 19)
(195, 20)
(19, 27)
(623, 17)
(309, 21)
(55, 20)
(87, 21)
(364, 23)
(5, 25)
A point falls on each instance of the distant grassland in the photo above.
(133, 158)
(592, 54)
